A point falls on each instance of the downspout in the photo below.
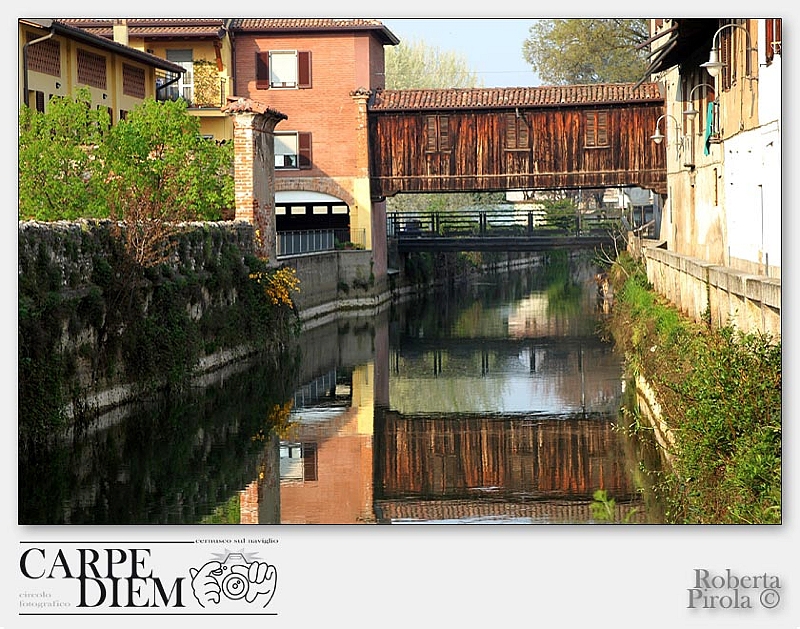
(25, 63)
(233, 72)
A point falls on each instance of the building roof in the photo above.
(684, 41)
(155, 28)
(59, 27)
(507, 97)
(309, 25)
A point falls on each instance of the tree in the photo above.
(58, 174)
(149, 171)
(581, 51)
(159, 171)
(417, 65)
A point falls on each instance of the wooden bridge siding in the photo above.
(478, 160)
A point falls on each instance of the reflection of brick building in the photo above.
(541, 459)
(331, 482)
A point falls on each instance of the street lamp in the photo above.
(657, 136)
(714, 65)
(690, 110)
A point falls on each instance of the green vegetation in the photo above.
(589, 50)
(147, 327)
(720, 394)
(604, 508)
(153, 166)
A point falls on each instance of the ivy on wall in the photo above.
(90, 319)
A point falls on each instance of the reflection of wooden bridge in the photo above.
(519, 459)
(505, 229)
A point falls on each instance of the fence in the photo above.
(296, 242)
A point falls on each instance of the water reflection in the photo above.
(493, 403)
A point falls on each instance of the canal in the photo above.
(496, 401)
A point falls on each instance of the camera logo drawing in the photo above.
(234, 579)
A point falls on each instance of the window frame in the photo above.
(185, 79)
(264, 67)
(438, 137)
(773, 31)
(597, 134)
(517, 133)
(302, 154)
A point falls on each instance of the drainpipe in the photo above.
(25, 98)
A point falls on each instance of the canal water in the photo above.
(496, 401)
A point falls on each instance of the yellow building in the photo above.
(57, 59)
(201, 46)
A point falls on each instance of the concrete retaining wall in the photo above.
(751, 303)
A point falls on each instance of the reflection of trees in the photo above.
(171, 462)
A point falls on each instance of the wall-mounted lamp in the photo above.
(690, 110)
(58, 85)
(657, 136)
(714, 65)
(105, 96)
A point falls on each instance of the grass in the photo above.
(720, 392)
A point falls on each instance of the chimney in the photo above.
(120, 32)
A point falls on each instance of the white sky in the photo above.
(492, 47)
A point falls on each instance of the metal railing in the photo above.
(501, 222)
(311, 241)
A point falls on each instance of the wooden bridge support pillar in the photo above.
(254, 169)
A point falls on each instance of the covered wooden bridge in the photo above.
(530, 138)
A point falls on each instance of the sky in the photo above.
(492, 47)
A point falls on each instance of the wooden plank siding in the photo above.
(560, 145)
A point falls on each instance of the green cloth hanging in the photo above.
(709, 128)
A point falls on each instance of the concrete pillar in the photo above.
(254, 169)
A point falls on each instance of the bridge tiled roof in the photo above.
(501, 97)
(542, 511)
(154, 28)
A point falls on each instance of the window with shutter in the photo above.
(773, 36)
(444, 133)
(517, 133)
(262, 70)
(293, 150)
(437, 133)
(304, 146)
(597, 132)
(309, 461)
(304, 69)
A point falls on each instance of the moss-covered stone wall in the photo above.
(96, 330)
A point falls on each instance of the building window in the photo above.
(517, 133)
(133, 81)
(91, 69)
(292, 151)
(437, 130)
(38, 98)
(45, 56)
(597, 129)
(773, 33)
(184, 86)
(283, 69)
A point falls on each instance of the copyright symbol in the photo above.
(770, 598)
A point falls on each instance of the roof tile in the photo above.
(500, 97)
